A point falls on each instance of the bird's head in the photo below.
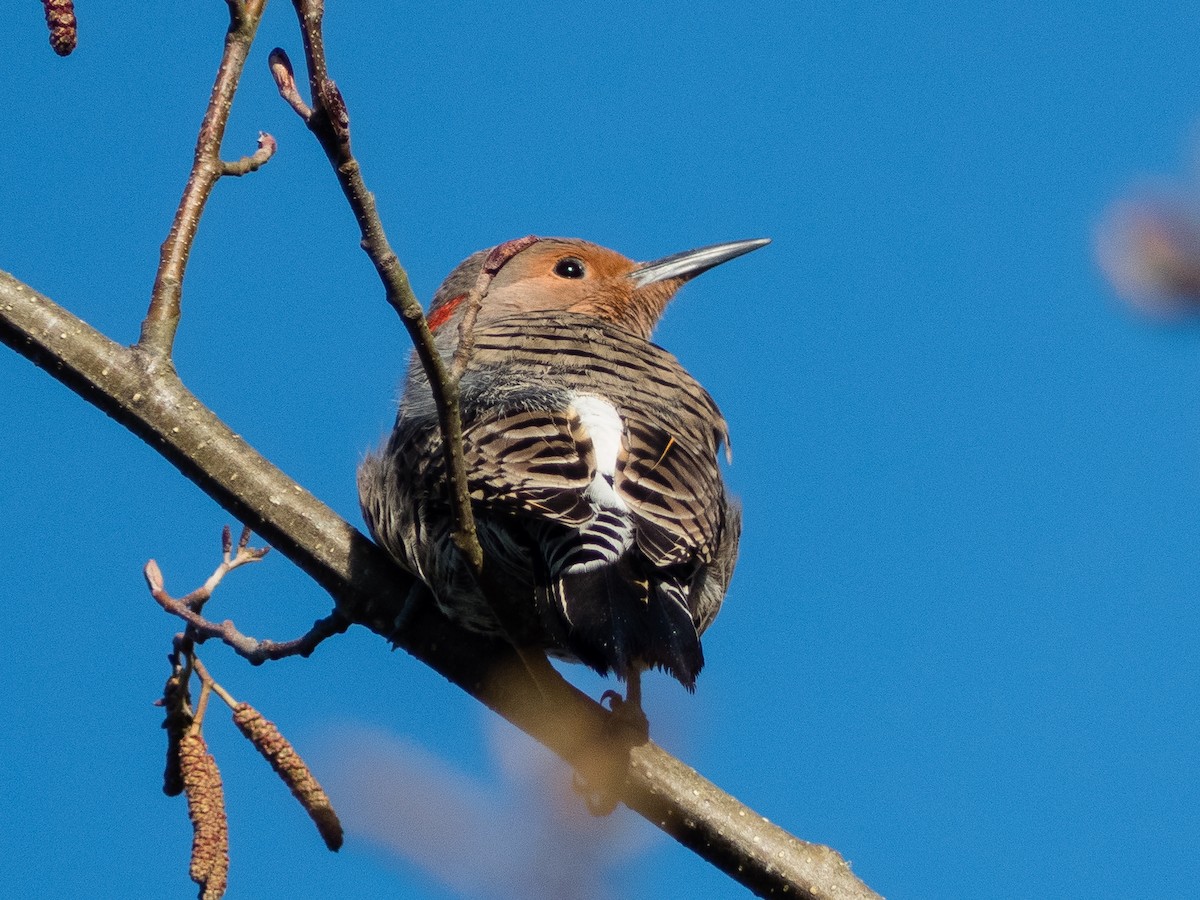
(537, 274)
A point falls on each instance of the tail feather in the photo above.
(619, 624)
(676, 643)
(603, 625)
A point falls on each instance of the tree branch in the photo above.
(368, 589)
(329, 121)
(162, 318)
(256, 652)
(253, 162)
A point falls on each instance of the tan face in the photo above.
(560, 274)
(579, 277)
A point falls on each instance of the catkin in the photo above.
(60, 16)
(176, 724)
(206, 809)
(286, 762)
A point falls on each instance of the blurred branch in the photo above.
(1148, 245)
(369, 590)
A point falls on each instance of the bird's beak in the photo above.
(691, 263)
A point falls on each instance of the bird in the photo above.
(609, 537)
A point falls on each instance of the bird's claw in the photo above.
(626, 728)
(628, 722)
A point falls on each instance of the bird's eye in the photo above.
(569, 268)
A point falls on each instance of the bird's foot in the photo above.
(627, 727)
(628, 721)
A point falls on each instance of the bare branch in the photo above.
(254, 162)
(329, 121)
(196, 599)
(208, 684)
(206, 692)
(311, 13)
(370, 590)
(162, 318)
(255, 651)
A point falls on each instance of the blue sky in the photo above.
(961, 643)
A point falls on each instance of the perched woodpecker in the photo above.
(591, 455)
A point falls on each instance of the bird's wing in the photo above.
(666, 471)
(674, 490)
(530, 462)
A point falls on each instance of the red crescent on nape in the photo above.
(442, 314)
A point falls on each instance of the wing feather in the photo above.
(674, 491)
(531, 462)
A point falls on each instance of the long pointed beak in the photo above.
(691, 263)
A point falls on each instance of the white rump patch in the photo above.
(604, 427)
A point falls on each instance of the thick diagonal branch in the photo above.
(369, 590)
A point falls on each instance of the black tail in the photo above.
(616, 623)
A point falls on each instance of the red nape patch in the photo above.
(442, 314)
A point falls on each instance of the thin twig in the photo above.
(251, 649)
(162, 318)
(202, 703)
(330, 123)
(194, 602)
(466, 329)
(201, 629)
(254, 162)
(208, 683)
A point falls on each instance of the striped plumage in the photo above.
(592, 464)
